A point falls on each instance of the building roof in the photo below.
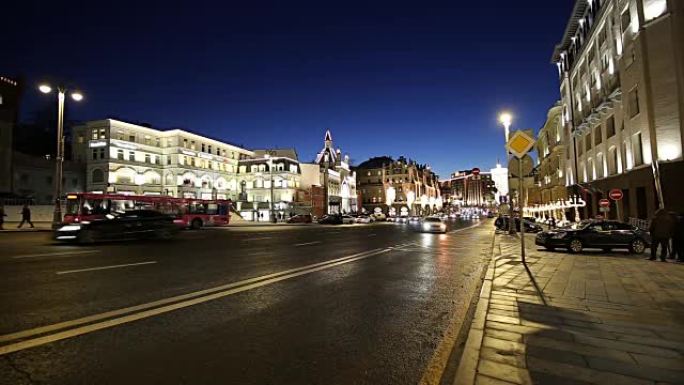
(578, 12)
(376, 162)
(278, 152)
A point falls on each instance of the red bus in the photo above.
(193, 213)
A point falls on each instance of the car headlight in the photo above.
(442, 226)
(426, 226)
(70, 228)
(559, 235)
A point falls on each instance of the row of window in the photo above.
(616, 162)
(101, 133)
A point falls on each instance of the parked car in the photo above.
(501, 223)
(300, 218)
(606, 235)
(365, 219)
(380, 217)
(433, 225)
(134, 224)
(332, 219)
(347, 219)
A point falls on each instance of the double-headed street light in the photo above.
(59, 161)
(506, 119)
(270, 170)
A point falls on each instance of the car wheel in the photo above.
(637, 246)
(196, 224)
(575, 246)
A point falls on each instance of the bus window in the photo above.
(73, 206)
(223, 209)
(211, 208)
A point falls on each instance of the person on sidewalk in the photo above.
(678, 239)
(25, 216)
(661, 229)
(2, 215)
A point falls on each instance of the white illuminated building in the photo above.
(336, 177)
(621, 71)
(500, 179)
(127, 158)
(279, 167)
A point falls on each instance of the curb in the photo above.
(470, 357)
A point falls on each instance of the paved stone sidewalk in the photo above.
(11, 227)
(594, 318)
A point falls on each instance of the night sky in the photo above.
(422, 79)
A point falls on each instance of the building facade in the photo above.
(10, 95)
(401, 187)
(622, 99)
(551, 158)
(270, 176)
(336, 178)
(126, 158)
(469, 188)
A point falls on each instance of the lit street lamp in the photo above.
(507, 119)
(59, 161)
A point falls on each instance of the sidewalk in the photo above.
(11, 227)
(600, 319)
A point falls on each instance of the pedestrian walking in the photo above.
(2, 215)
(25, 216)
(662, 228)
(678, 239)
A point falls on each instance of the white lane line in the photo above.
(465, 228)
(58, 254)
(256, 239)
(105, 267)
(307, 243)
(108, 323)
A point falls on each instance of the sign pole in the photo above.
(520, 209)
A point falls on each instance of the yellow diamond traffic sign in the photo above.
(520, 144)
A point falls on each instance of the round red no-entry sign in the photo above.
(615, 194)
(604, 203)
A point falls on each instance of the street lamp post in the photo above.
(59, 159)
(507, 119)
(270, 171)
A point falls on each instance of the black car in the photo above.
(606, 235)
(132, 224)
(331, 220)
(502, 223)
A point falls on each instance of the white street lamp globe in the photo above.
(506, 119)
(44, 88)
(77, 96)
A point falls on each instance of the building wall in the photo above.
(634, 80)
(10, 93)
(128, 158)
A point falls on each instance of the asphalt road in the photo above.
(353, 304)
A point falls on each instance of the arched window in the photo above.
(97, 176)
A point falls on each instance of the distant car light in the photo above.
(426, 227)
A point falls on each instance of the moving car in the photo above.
(301, 218)
(347, 219)
(433, 225)
(133, 224)
(606, 235)
(331, 220)
(364, 219)
(501, 223)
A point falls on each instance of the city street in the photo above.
(363, 304)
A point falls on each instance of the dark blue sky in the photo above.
(422, 79)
